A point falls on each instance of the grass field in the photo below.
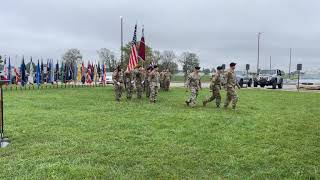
(204, 78)
(83, 134)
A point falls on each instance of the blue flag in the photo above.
(9, 71)
(23, 72)
(38, 74)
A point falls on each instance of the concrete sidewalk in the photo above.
(286, 87)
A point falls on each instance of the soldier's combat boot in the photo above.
(187, 102)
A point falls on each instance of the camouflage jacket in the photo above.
(138, 76)
(128, 79)
(167, 76)
(193, 81)
(215, 81)
(117, 77)
(154, 78)
(230, 78)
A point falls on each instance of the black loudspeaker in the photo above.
(299, 67)
(247, 67)
(223, 66)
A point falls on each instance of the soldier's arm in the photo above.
(215, 80)
(114, 78)
(187, 85)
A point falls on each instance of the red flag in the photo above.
(142, 48)
(133, 60)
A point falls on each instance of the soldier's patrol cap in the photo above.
(233, 64)
(219, 68)
(197, 67)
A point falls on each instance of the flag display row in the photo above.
(52, 73)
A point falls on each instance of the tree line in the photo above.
(166, 59)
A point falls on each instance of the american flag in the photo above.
(133, 61)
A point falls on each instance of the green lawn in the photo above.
(83, 134)
(204, 78)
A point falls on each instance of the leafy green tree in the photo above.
(168, 61)
(188, 61)
(127, 51)
(108, 57)
(206, 71)
(72, 56)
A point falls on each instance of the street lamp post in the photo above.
(290, 63)
(259, 34)
(121, 26)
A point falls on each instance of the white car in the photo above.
(310, 81)
(109, 78)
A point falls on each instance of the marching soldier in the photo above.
(128, 83)
(231, 82)
(146, 82)
(118, 83)
(154, 83)
(215, 87)
(138, 76)
(167, 79)
(194, 83)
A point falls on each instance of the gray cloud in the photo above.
(220, 31)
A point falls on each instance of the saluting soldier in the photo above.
(154, 77)
(128, 83)
(231, 83)
(194, 84)
(215, 86)
(117, 82)
(138, 76)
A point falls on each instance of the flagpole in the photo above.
(121, 26)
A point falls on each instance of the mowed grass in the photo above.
(84, 134)
(179, 78)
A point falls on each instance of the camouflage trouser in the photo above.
(118, 91)
(161, 84)
(215, 96)
(193, 97)
(147, 89)
(231, 97)
(129, 89)
(139, 90)
(153, 93)
(166, 85)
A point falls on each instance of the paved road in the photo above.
(286, 87)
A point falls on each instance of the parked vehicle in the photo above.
(244, 78)
(310, 82)
(272, 78)
(109, 78)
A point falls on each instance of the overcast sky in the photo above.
(219, 31)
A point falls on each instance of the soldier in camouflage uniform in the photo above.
(128, 83)
(118, 83)
(167, 79)
(231, 82)
(138, 76)
(154, 78)
(162, 79)
(194, 83)
(215, 87)
(146, 81)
